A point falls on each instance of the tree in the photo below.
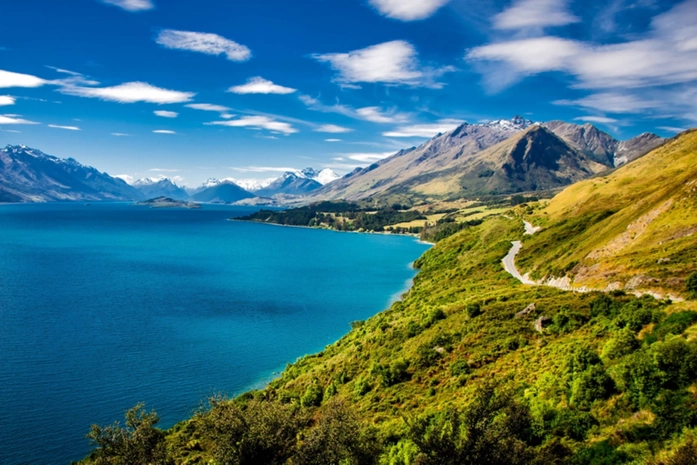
(139, 443)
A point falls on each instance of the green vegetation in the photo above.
(449, 375)
(463, 370)
(342, 216)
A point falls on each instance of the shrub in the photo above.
(473, 310)
(624, 343)
(691, 285)
(677, 361)
(591, 385)
(313, 395)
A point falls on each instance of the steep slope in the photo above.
(290, 184)
(155, 187)
(634, 228)
(224, 192)
(452, 165)
(602, 147)
(29, 175)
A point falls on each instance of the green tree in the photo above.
(691, 285)
(138, 443)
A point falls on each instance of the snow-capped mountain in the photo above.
(160, 187)
(29, 175)
(323, 177)
(221, 192)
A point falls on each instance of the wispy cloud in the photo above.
(654, 72)
(131, 5)
(407, 10)
(393, 63)
(424, 130)
(64, 71)
(163, 131)
(259, 85)
(163, 170)
(68, 128)
(372, 114)
(7, 100)
(166, 113)
(596, 119)
(10, 79)
(366, 157)
(14, 119)
(332, 140)
(535, 14)
(672, 129)
(202, 42)
(130, 92)
(332, 128)
(258, 122)
(208, 107)
(120, 134)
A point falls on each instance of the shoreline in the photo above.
(384, 233)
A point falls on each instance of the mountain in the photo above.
(222, 192)
(29, 175)
(323, 177)
(291, 183)
(602, 147)
(458, 163)
(160, 187)
(631, 229)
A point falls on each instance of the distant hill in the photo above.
(471, 161)
(160, 187)
(631, 229)
(29, 175)
(224, 192)
(290, 184)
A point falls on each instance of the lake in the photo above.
(104, 306)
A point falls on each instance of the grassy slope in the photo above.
(639, 221)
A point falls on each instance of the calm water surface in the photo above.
(107, 305)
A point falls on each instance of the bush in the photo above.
(393, 374)
(473, 310)
(591, 385)
(313, 395)
(677, 361)
(691, 285)
(624, 343)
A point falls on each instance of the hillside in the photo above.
(29, 175)
(470, 161)
(631, 229)
(154, 187)
(224, 192)
(472, 366)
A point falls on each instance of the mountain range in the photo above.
(497, 158)
(500, 157)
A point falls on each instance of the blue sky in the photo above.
(247, 89)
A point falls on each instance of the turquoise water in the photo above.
(108, 305)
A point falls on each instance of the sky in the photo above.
(249, 89)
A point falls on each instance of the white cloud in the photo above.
(131, 5)
(210, 44)
(163, 131)
(332, 128)
(596, 119)
(10, 79)
(672, 129)
(130, 92)
(6, 100)
(14, 119)
(164, 170)
(373, 114)
(377, 115)
(208, 107)
(64, 71)
(424, 130)
(259, 85)
(258, 122)
(166, 114)
(390, 62)
(367, 157)
(120, 134)
(408, 10)
(535, 14)
(68, 128)
(612, 102)
(332, 140)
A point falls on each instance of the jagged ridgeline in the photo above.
(458, 373)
